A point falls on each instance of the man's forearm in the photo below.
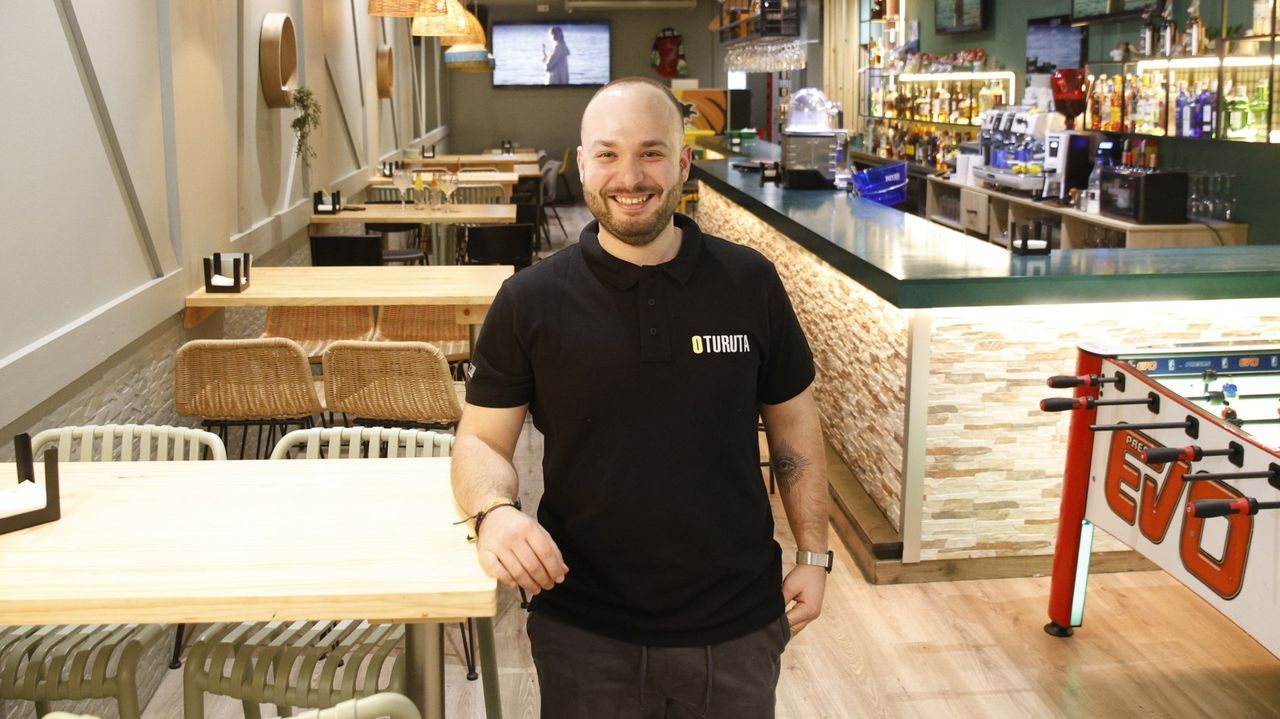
(480, 473)
(801, 476)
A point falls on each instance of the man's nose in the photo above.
(631, 173)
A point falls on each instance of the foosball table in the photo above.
(1176, 453)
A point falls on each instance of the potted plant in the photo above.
(308, 119)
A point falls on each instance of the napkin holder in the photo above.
(237, 262)
(428, 152)
(52, 510)
(1022, 247)
(321, 205)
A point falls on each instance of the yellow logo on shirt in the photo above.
(720, 344)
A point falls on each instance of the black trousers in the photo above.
(583, 675)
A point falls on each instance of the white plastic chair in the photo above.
(128, 443)
(42, 664)
(385, 704)
(342, 660)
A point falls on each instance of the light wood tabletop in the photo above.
(469, 288)
(492, 214)
(503, 163)
(167, 542)
(506, 179)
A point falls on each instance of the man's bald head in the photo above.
(633, 83)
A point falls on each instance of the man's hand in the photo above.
(804, 585)
(517, 551)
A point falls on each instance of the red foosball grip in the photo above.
(1222, 507)
(1061, 404)
(1160, 455)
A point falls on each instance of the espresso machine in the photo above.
(812, 147)
(1013, 148)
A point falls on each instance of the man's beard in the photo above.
(634, 231)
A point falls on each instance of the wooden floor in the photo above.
(1149, 647)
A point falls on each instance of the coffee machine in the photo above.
(1013, 147)
(811, 146)
(1068, 160)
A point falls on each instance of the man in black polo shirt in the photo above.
(645, 353)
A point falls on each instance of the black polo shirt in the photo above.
(646, 382)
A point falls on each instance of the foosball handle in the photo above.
(1061, 404)
(1067, 381)
(1204, 508)
(1160, 455)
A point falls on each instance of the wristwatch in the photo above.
(818, 559)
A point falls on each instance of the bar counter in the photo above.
(933, 348)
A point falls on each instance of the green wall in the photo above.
(1005, 42)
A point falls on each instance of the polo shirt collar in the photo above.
(624, 275)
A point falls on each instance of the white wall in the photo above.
(161, 133)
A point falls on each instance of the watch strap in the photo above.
(817, 559)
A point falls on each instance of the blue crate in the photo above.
(886, 184)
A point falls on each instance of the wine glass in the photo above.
(448, 183)
(402, 180)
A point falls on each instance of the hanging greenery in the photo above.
(308, 119)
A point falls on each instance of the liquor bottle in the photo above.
(1159, 108)
(1195, 30)
(1207, 111)
(890, 105)
(1182, 125)
(1132, 86)
(901, 102)
(1126, 155)
(1235, 111)
(985, 98)
(1095, 103)
(997, 94)
(1116, 105)
(953, 111)
(941, 103)
(1168, 31)
(1259, 107)
(1148, 33)
(1108, 89)
(877, 102)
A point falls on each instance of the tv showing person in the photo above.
(556, 61)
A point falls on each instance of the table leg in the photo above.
(424, 668)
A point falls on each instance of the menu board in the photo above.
(1102, 8)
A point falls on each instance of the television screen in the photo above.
(540, 54)
(959, 15)
(1053, 43)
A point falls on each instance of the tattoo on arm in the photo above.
(788, 466)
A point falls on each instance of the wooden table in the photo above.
(469, 288)
(501, 162)
(508, 180)
(393, 213)
(268, 540)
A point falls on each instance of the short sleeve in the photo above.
(503, 376)
(787, 368)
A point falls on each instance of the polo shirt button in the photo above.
(653, 330)
(652, 302)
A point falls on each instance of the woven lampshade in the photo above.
(452, 22)
(473, 35)
(405, 8)
(468, 58)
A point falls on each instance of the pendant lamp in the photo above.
(469, 58)
(472, 35)
(451, 22)
(405, 8)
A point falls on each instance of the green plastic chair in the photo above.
(319, 664)
(41, 664)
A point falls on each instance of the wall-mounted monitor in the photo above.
(551, 54)
(1095, 9)
(1052, 42)
(960, 15)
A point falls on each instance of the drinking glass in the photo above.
(1195, 199)
(448, 183)
(402, 180)
(434, 192)
(1227, 198)
(1213, 200)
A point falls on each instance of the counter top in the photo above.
(914, 263)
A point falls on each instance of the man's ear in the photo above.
(686, 162)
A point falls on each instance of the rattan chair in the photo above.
(317, 664)
(316, 327)
(401, 383)
(51, 663)
(258, 382)
(434, 324)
